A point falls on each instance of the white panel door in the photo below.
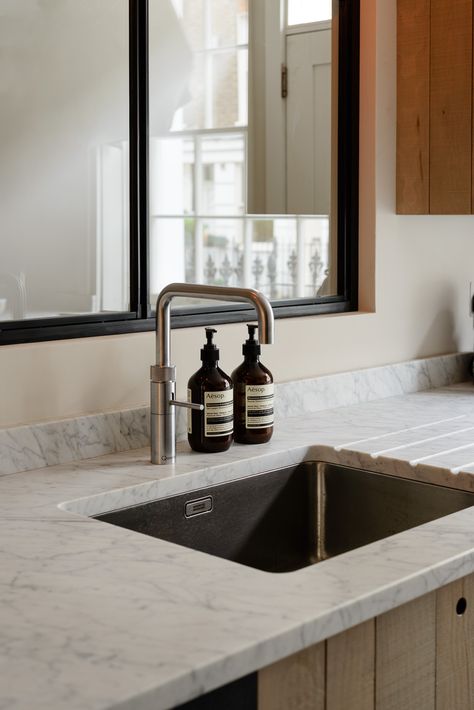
(308, 123)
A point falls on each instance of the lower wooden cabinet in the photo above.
(295, 683)
(455, 646)
(419, 656)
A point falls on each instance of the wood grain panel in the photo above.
(405, 656)
(451, 107)
(295, 683)
(455, 647)
(413, 106)
(350, 666)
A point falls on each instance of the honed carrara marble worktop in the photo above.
(95, 616)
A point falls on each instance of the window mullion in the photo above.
(138, 52)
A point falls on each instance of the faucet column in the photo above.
(162, 420)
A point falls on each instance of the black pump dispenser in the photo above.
(253, 395)
(211, 430)
(251, 347)
(210, 351)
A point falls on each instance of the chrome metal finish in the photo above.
(186, 405)
(163, 374)
(294, 517)
(215, 293)
(163, 435)
(162, 422)
(198, 507)
(162, 393)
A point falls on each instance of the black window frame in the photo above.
(140, 317)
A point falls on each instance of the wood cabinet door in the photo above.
(419, 656)
(455, 646)
(434, 107)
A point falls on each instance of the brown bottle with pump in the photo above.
(253, 395)
(211, 430)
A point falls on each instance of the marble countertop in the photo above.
(95, 616)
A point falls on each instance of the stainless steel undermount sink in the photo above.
(292, 517)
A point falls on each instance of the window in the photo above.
(192, 140)
(301, 11)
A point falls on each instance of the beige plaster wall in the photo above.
(423, 266)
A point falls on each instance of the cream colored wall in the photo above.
(423, 269)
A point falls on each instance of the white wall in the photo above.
(423, 269)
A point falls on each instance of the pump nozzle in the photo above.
(209, 351)
(252, 328)
(251, 347)
(210, 335)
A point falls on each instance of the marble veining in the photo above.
(47, 444)
(95, 616)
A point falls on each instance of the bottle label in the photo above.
(218, 413)
(190, 413)
(258, 406)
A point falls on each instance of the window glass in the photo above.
(243, 156)
(64, 234)
(200, 229)
(304, 11)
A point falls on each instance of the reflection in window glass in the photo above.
(228, 22)
(208, 40)
(198, 174)
(228, 90)
(199, 229)
(285, 257)
(64, 238)
(222, 174)
(303, 11)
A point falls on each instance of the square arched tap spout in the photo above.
(163, 374)
(215, 293)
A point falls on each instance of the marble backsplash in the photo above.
(38, 445)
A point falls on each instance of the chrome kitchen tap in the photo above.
(163, 374)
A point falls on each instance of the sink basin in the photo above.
(292, 517)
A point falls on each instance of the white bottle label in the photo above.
(190, 413)
(258, 406)
(218, 413)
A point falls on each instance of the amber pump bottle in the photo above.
(211, 430)
(253, 395)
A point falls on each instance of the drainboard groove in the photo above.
(421, 441)
(414, 462)
(346, 445)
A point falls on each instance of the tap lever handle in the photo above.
(186, 405)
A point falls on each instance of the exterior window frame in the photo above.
(140, 316)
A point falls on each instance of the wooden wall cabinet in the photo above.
(419, 656)
(435, 160)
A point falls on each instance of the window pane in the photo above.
(222, 174)
(199, 229)
(303, 11)
(205, 44)
(285, 257)
(228, 23)
(64, 238)
(192, 17)
(172, 175)
(228, 88)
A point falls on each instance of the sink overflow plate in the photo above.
(197, 507)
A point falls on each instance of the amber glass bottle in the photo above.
(211, 430)
(253, 395)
